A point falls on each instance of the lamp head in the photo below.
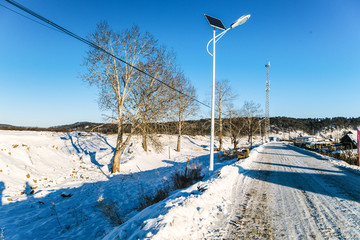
(240, 21)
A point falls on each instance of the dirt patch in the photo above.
(252, 220)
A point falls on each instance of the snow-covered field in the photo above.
(51, 184)
(58, 186)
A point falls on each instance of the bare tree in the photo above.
(117, 80)
(183, 106)
(251, 113)
(236, 125)
(224, 97)
(153, 96)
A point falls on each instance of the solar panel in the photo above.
(215, 22)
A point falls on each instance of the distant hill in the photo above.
(5, 125)
(77, 126)
(202, 127)
(11, 127)
(313, 125)
(85, 127)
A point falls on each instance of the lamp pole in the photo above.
(216, 23)
(211, 167)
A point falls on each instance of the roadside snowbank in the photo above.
(198, 212)
(340, 163)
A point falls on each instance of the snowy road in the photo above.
(289, 193)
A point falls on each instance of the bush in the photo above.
(147, 200)
(110, 210)
(349, 157)
(179, 180)
(346, 156)
(188, 177)
(227, 155)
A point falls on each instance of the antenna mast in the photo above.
(267, 103)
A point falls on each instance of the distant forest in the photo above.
(310, 126)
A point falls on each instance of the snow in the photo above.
(259, 197)
(337, 162)
(36, 168)
(69, 174)
(198, 212)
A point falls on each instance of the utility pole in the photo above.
(267, 103)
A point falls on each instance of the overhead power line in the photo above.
(28, 18)
(91, 44)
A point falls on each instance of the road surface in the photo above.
(289, 193)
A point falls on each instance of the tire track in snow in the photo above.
(295, 218)
(287, 194)
(252, 219)
(329, 212)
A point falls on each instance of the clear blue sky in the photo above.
(313, 46)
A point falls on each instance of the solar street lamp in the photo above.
(240, 21)
(216, 23)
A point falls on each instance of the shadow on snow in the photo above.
(79, 217)
(341, 183)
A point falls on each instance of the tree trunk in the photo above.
(116, 161)
(249, 132)
(117, 157)
(144, 142)
(144, 137)
(251, 140)
(220, 128)
(119, 149)
(179, 137)
(143, 129)
(235, 142)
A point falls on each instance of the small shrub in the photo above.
(2, 233)
(195, 172)
(79, 216)
(201, 189)
(179, 180)
(56, 215)
(188, 177)
(110, 210)
(349, 157)
(346, 156)
(147, 200)
(227, 155)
